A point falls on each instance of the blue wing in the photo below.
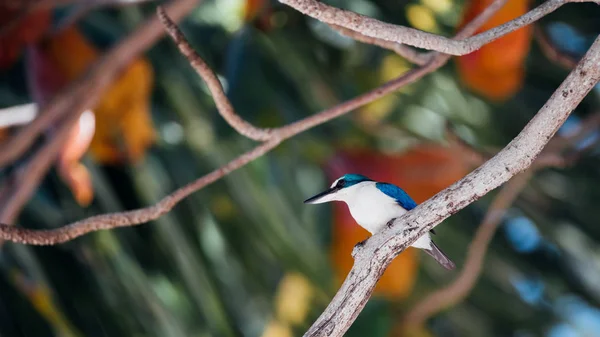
(398, 194)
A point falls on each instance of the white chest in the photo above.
(371, 208)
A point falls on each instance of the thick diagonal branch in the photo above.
(552, 156)
(373, 258)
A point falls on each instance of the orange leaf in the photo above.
(124, 128)
(496, 70)
(26, 31)
(422, 172)
(68, 165)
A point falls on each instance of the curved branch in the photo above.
(227, 111)
(214, 85)
(142, 215)
(139, 216)
(552, 52)
(377, 253)
(129, 218)
(437, 60)
(376, 29)
(91, 85)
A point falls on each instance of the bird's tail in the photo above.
(439, 256)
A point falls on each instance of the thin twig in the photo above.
(226, 109)
(404, 35)
(93, 83)
(135, 217)
(129, 218)
(142, 215)
(372, 258)
(437, 60)
(409, 53)
(555, 55)
(214, 85)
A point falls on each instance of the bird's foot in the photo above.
(390, 223)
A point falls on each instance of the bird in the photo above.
(373, 204)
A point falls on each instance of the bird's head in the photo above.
(338, 190)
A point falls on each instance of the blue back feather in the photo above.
(398, 194)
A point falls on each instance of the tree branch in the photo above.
(552, 52)
(214, 85)
(376, 29)
(91, 85)
(128, 218)
(374, 257)
(436, 61)
(139, 216)
(452, 294)
(377, 253)
(227, 111)
(405, 51)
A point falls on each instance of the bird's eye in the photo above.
(340, 183)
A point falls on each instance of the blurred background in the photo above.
(244, 256)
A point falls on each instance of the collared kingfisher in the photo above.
(373, 204)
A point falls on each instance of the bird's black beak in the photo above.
(319, 198)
